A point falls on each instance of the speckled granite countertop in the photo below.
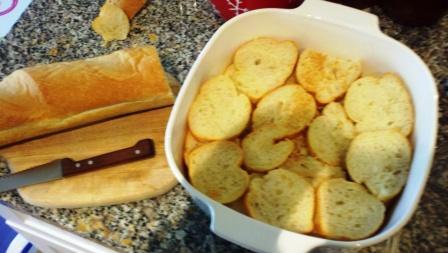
(60, 31)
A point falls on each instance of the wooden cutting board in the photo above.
(117, 184)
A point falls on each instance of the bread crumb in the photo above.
(53, 51)
(153, 38)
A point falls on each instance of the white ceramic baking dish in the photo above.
(338, 30)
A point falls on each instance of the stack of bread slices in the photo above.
(305, 141)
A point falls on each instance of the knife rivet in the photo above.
(89, 162)
(77, 165)
(137, 152)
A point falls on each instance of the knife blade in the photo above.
(66, 167)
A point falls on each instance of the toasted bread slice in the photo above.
(327, 76)
(112, 23)
(190, 143)
(345, 210)
(262, 65)
(289, 106)
(312, 169)
(230, 70)
(219, 112)
(381, 161)
(282, 198)
(330, 134)
(262, 149)
(214, 169)
(379, 104)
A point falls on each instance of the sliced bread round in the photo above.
(262, 65)
(230, 70)
(345, 210)
(289, 106)
(264, 150)
(312, 169)
(330, 134)
(282, 198)
(214, 169)
(327, 76)
(190, 143)
(381, 161)
(219, 112)
(380, 104)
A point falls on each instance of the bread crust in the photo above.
(48, 98)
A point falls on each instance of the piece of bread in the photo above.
(112, 23)
(262, 65)
(379, 104)
(264, 150)
(330, 134)
(283, 199)
(381, 161)
(219, 112)
(300, 146)
(289, 106)
(345, 210)
(214, 169)
(230, 70)
(130, 7)
(190, 143)
(327, 76)
(312, 169)
(48, 98)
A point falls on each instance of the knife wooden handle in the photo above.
(143, 149)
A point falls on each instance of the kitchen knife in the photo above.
(65, 167)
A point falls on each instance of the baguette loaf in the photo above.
(48, 98)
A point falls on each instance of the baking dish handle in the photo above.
(340, 14)
(258, 236)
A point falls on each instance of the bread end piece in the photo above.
(130, 7)
(112, 23)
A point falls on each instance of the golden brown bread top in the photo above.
(62, 89)
(130, 7)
